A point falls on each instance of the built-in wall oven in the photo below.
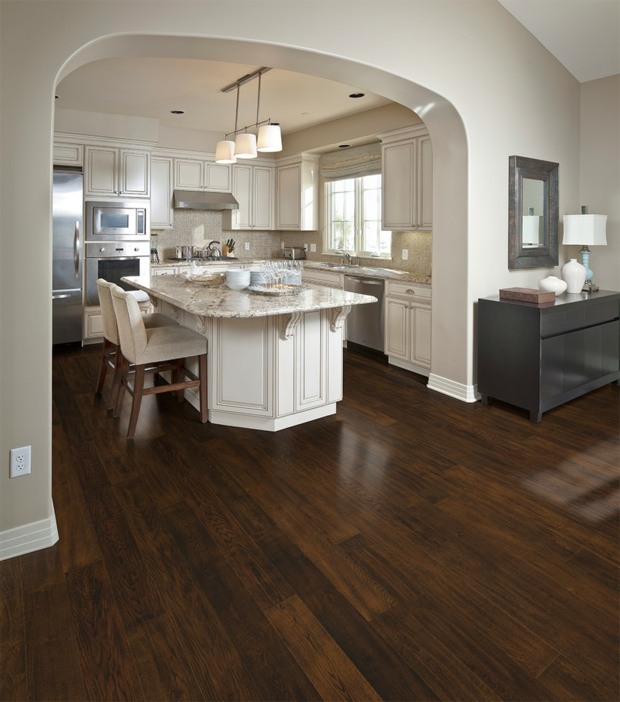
(113, 260)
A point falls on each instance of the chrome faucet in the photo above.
(345, 256)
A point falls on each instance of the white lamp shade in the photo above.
(245, 146)
(585, 230)
(225, 152)
(269, 138)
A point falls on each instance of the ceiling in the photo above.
(584, 35)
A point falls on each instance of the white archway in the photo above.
(452, 354)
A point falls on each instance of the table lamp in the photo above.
(587, 230)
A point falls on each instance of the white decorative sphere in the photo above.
(553, 284)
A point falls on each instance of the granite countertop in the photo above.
(371, 271)
(361, 271)
(221, 301)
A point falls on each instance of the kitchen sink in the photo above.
(360, 270)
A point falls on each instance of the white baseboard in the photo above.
(28, 538)
(465, 393)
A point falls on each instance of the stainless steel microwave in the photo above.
(120, 220)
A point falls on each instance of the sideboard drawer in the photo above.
(565, 319)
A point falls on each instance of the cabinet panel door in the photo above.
(242, 190)
(187, 174)
(161, 193)
(397, 329)
(425, 183)
(311, 368)
(398, 186)
(262, 197)
(101, 171)
(135, 173)
(289, 188)
(421, 332)
(217, 176)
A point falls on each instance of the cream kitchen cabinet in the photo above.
(319, 277)
(116, 172)
(68, 154)
(201, 174)
(297, 192)
(408, 326)
(162, 214)
(407, 163)
(253, 187)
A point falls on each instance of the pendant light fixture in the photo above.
(245, 145)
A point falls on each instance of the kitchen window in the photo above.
(353, 217)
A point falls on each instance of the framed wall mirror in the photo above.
(533, 213)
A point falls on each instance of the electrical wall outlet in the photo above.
(246, 245)
(281, 244)
(306, 247)
(405, 254)
(313, 248)
(20, 462)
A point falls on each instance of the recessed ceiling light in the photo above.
(356, 95)
(177, 112)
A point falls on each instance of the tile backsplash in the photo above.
(200, 227)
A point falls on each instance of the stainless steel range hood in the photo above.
(202, 200)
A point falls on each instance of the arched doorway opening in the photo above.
(452, 329)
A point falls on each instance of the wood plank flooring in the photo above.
(411, 547)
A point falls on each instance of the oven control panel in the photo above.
(117, 249)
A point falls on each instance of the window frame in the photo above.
(358, 220)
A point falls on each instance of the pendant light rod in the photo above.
(246, 79)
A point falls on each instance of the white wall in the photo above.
(599, 182)
(485, 88)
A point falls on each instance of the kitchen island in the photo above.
(273, 361)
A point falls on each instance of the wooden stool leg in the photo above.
(121, 387)
(103, 368)
(177, 376)
(116, 379)
(138, 388)
(202, 370)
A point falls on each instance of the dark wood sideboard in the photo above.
(538, 357)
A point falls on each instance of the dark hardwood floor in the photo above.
(411, 547)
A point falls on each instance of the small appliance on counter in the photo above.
(294, 252)
(154, 254)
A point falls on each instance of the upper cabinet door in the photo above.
(187, 174)
(201, 174)
(297, 194)
(113, 172)
(407, 179)
(161, 193)
(135, 173)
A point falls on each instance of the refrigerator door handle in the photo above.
(76, 248)
(60, 297)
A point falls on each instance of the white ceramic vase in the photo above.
(575, 275)
(553, 284)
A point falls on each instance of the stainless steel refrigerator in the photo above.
(68, 227)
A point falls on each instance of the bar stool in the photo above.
(111, 356)
(164, 348)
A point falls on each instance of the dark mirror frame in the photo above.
(546, 255)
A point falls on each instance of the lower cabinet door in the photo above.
(397, 329)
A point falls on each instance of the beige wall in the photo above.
(477, 65)
(599, 176)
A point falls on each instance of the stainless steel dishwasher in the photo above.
(365, 322)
